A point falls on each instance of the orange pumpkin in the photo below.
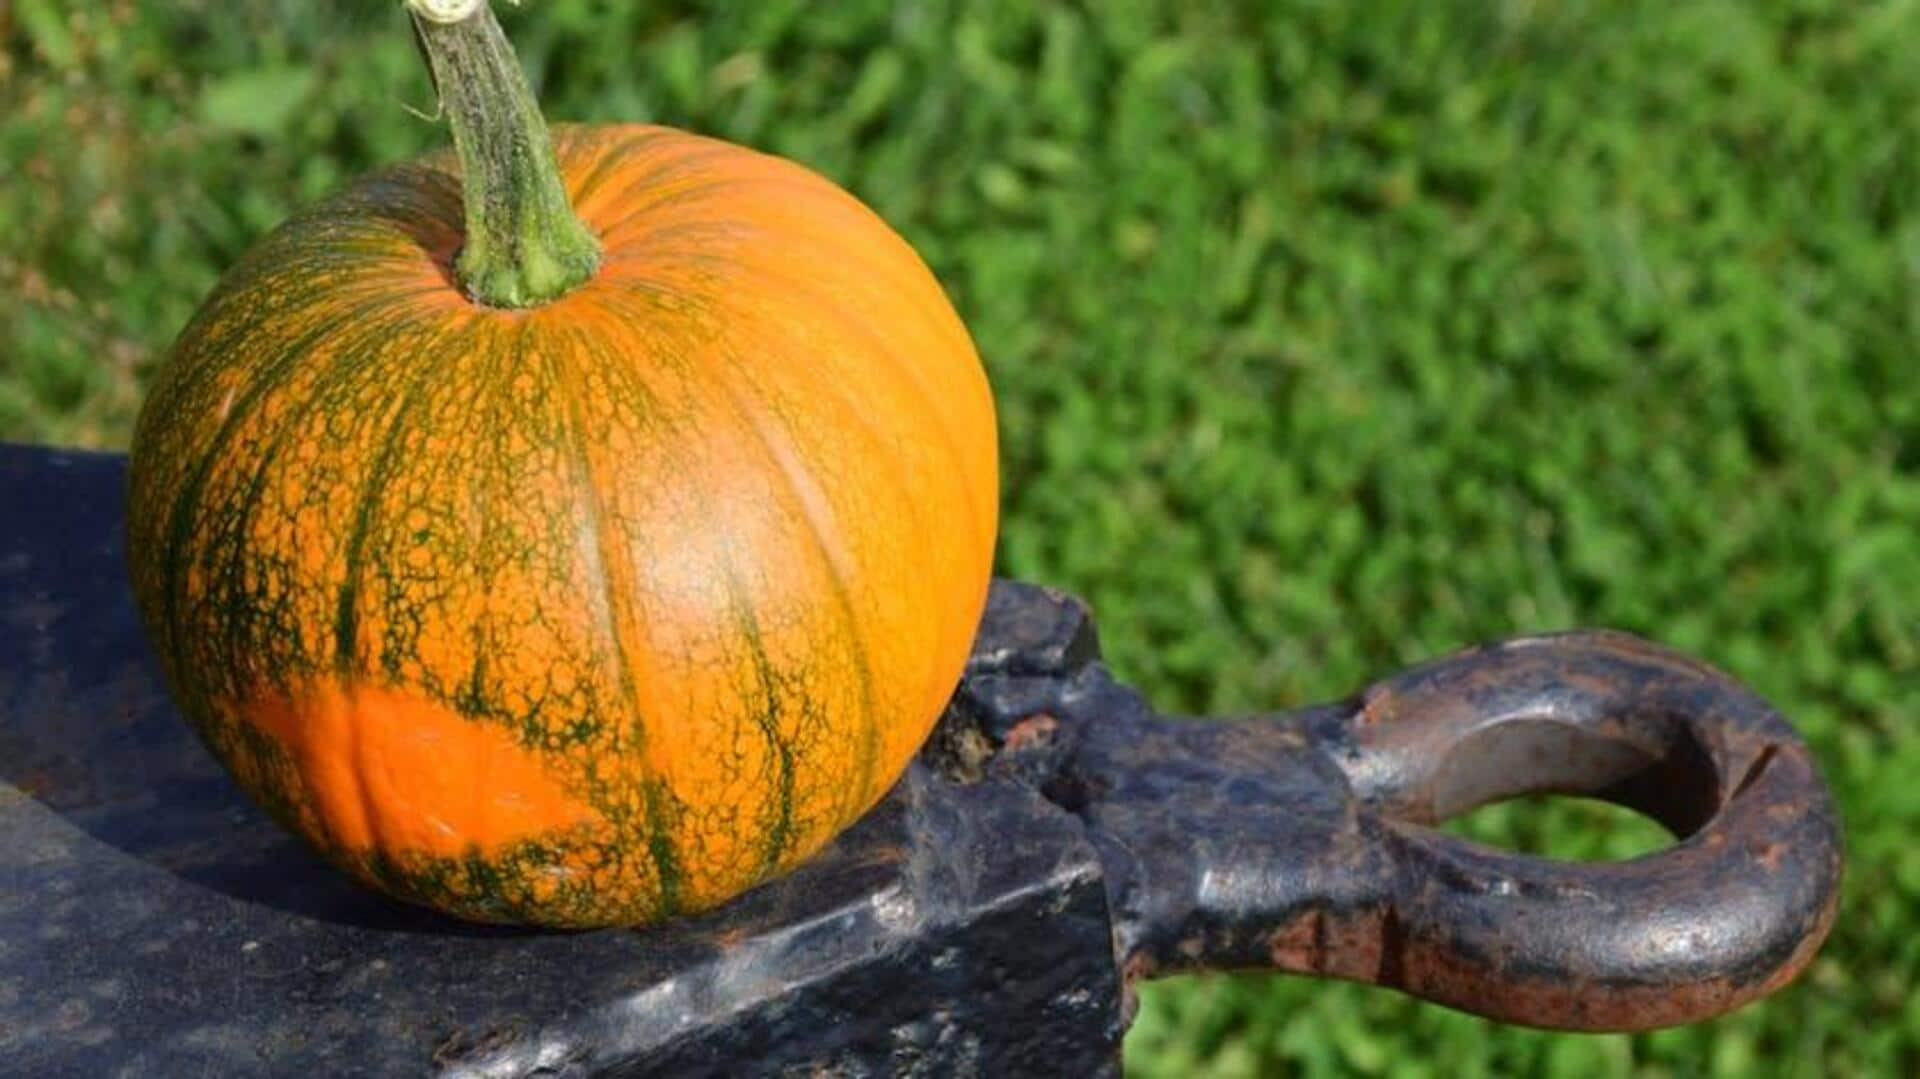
(597, 608)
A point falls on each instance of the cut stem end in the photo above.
(524, 244)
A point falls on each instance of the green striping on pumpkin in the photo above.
(584, 612)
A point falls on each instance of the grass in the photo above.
(1327, 336)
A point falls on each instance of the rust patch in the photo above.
(1376, 704)
(40, 783)
(1294, 945)
(1339, 945)
(1036, 729)
(1139, 966)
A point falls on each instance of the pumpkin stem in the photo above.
(524, 244)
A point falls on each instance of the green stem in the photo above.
(524, 245)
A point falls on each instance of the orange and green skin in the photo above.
(585, 613)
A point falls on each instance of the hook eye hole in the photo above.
(1562, 827)
(1675, 783)
(1559, 790)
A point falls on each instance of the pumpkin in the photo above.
(577, 530)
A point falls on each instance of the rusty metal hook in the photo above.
(1303, 841)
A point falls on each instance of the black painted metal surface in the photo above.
(1058, 841)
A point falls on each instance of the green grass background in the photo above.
(1327, 336)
